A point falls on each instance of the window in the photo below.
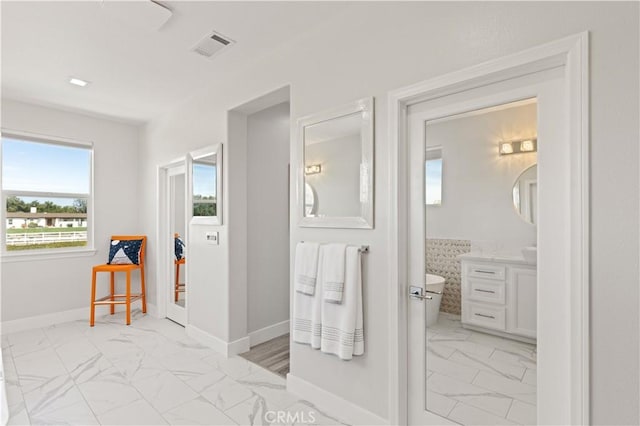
(46, 193)
(433, 176)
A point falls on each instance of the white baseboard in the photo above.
(238, 346)
(268, 333)
(333, 404)
(152, 310)
(46, 320)
(225, 348)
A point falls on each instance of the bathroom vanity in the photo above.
(499, 296)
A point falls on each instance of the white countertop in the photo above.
(495, 257)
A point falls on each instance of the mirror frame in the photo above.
(513, 204)
(191, 158)
(365, 220)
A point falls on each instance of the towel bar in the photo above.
(362, 249)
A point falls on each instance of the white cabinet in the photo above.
(499, 296)
(522, 311)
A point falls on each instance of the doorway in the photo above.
(268, 238)
(480, 293)
(173, 235)
(259, 136)
(555, 75)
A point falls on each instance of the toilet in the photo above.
(434, 283)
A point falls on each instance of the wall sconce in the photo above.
(518, 147)
(312, 169)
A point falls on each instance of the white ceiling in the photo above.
(136, 74)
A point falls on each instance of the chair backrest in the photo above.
(134, 237)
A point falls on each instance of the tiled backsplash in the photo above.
(442, 259)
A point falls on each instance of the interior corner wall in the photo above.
(236, 199)
(38, 287)
(268, 217)
(431, 39)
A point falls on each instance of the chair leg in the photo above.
(128, 298)
(113, 286)
(177, 285)
(144, 291)
(92, 318)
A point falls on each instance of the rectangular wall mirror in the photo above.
(335, 167)
(206, 186)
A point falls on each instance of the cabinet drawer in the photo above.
(486, 290)
(488, 272)
(486, 316)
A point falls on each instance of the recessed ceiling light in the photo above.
(78, 82)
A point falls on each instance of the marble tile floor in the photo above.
(475, 378)
(149, 373)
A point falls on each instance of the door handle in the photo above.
(416, 292)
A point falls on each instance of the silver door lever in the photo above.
(417, 293)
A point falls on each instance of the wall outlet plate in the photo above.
(212, 237)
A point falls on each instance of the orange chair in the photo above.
(179, 246)
(179, 287)
(120, 299)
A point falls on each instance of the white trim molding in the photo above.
(349, 413)
(267, 333)
(46, 320)
(38, 321)
(572, 55)
(227, 349)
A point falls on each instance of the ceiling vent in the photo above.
(212, 44)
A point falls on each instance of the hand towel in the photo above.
(333, 268)
(342, 332)
(307, 311)
(306, 267)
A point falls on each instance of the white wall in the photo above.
(337, 187)
(430, 39)
(477, 183)
(35, 288)
(267, 217)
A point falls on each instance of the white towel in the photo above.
(333, 268)
(342, 324)
(306, 267)
(307, 311)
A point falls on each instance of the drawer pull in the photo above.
(484, 291)
(485, 316)
(480, 271)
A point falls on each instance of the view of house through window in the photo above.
(46, 190)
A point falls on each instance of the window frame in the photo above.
(35, 254)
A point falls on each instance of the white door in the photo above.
(176, 269)
(425, 406)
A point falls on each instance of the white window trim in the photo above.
(29, 255)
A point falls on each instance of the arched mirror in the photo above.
(310, 200)
(525, 194)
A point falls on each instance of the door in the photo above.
(453, 395)
(176, 243)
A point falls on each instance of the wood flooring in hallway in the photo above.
(272, 355)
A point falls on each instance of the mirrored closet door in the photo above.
(177, 243)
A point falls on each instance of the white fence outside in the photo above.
(26, 238)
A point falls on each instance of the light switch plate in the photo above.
(211, 237)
